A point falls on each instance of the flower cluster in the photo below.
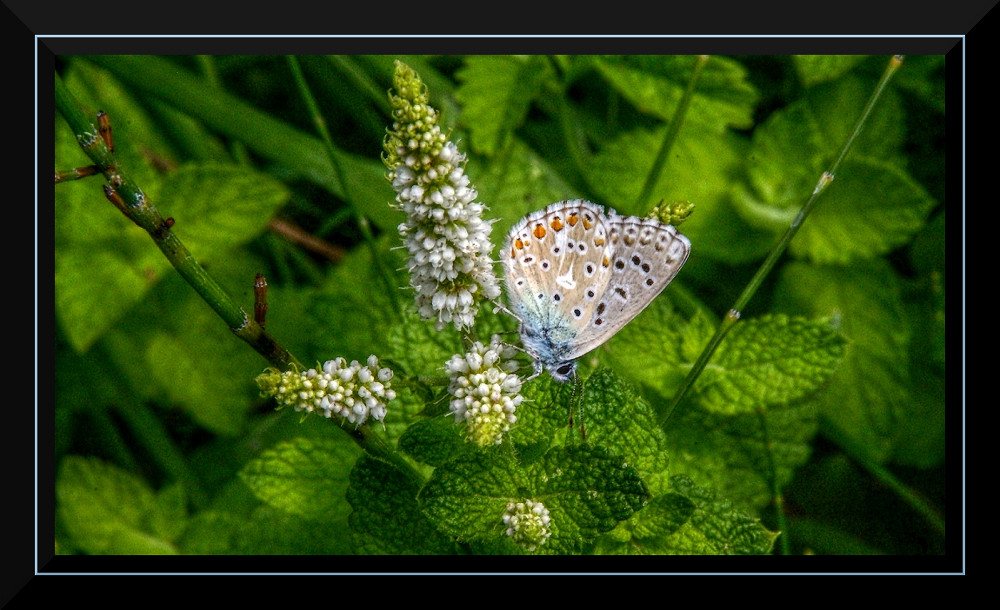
(351, 391)
(527, 523)
(673, 213)
(444, 232)
(485, 390)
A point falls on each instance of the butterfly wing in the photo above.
(557, 264)
(645, 256)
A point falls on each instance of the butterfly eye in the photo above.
(565, 370)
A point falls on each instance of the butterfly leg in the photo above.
(500, 307)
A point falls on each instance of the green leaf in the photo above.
(174, 349)
(826, 539)
(769, 360)
(98, 252)
(752, 423)
(869, 210)
(784, 163)
(387, 519)
(179, 366)
(543, 417)
(267, 531)
(646, 351)
(867, 398)
(586, 490)
(923, 77)
(419, 347)
(218, 207)
(303, 476)
(701, 166)
(716, 527)
(514, 183)
(619, 419)
(649, 531)
(927, 255)
(366, 189)
(416, 349)
(495, 94)
(873, 205)
(294, 150)
(920, 437)
(848, 224)
(701, 169)
(108, 511)
(350, 307)
(836, 107)
(741, 455)
(697, 333)
(86, 274)
(655, 83)
(814, 69)
(435, 441)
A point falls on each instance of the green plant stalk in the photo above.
(371, 442)
(226, 114)
(333, 154)
(363, 82)
(131, 201)
(772, 480)
(733, 315)
(207, 65)
(568, 125)
(671, 136)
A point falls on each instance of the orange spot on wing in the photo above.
(587, 224)
(599, 241)
(518, 244)
(605, 262)
(556, 224)
(539, 231)
(572, 219)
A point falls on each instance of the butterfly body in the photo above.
(575, 276)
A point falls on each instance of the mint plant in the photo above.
(386, 409)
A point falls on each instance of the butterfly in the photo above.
(576, 275)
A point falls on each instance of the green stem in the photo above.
(334, 156)
(229, 115)
(376, 444)
(670, 137)
(733, 315)
(772, 480)
(569, 127)
(362, 82)
(132, 202)
(207, 65)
